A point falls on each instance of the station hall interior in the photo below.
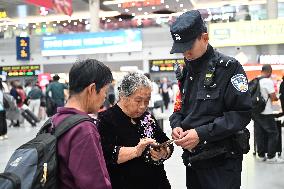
(40, 39)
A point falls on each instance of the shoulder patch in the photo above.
(240, 82)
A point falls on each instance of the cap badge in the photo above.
(177, 36)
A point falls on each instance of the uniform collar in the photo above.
(199, 64)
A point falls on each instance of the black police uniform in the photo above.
(216, 103)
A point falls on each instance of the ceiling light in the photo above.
(75, 23)
(148, 2)
(108, 20)
(126, 10)
(64, 24)
(119, 19)
(69, 21)
(58, 22)
(54, 25)
(177, 0)
(119, 5)
(162, 1)
(133, 4)
(80, 20)
(86, 22)
(146, 13)
(34, 26)
(140, 9)
(103, 18)
(167, 6)
(184, 10)
(153, 8)
(133, 14)
(181, 5)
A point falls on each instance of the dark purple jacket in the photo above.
(81, 160)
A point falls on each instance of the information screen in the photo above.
(19, 71)
(164, 65)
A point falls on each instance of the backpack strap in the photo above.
(45, 127)
(64, 125)
(70, 122)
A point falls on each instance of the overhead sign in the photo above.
(20, 71)
(92, 43)
(165, 65)
(23, 48)
(260, 32)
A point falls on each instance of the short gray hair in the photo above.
(131, 82)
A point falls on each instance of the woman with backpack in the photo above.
(3, 122)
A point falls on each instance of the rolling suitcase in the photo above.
(30, 113)
(28, 118)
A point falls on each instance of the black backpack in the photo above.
(34, 164)
(258, 102)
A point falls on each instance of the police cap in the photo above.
(185, 30)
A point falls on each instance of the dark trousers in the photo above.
(166, 99)
(225, 176)
(282, 104)
(3, 123)
(266, 135)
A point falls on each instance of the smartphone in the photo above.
(164, 144)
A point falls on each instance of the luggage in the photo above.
(30, 113)
(34, 165)
(28, 118)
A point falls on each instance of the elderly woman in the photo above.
(128, 135)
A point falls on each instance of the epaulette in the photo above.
(224, 61)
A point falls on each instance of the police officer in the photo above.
(215, 108)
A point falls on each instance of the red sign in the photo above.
(43, 3)
(43, 80)
(60, 6)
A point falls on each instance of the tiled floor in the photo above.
(255, 175)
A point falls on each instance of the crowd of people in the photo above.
(30, 103)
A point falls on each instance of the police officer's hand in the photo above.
(160, 153)
(144, 142)
(189, 139)
(176, 133)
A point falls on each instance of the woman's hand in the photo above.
(160, 153)
(144, 142)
